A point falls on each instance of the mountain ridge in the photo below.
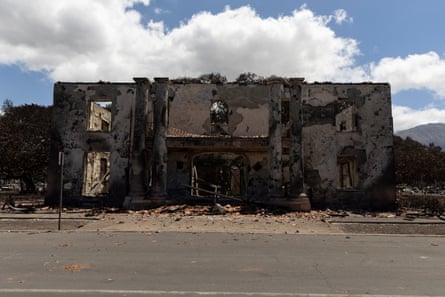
(426, 134)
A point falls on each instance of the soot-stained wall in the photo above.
(70, 133)
(366, 142)
(269, 141)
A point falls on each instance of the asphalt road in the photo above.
(219, 264)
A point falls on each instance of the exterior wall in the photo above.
(248, 108)
(190, 116)
(369, 145)
(286, 137)
(70, 133)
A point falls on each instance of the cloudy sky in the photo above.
(397, 41)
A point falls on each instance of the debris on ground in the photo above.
(77, 267)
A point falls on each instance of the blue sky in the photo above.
(396, 41)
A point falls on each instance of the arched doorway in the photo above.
(222, 172)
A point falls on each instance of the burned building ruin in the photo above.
(145, 143)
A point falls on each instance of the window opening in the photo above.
(100, 116)
(285, 113)
(347, 168)
(346, 174)
(345, 119)
(96, 173)
(219, 117)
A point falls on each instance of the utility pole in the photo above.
(61, 161)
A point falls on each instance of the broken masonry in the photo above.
(280, 142)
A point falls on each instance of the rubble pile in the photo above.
(247, 211)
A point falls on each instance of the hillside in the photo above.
(426, 134)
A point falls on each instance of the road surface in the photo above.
(219, 264)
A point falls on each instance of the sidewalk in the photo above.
(390, 224)
(41, 221)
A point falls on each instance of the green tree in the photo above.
(212, 78)
(417, 164)
(249, 78)
(24, 143)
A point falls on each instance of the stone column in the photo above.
(160, 120)
(275, 145)
(138, 159)
(295, 149)
(300, 201)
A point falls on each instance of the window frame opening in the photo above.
(100, 115)
(96, 174)
(346, 115)
(346, 174)
(347, 169)
(219, 117)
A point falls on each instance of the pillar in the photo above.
(275, 145)
(138, 159)
(160, 120)
(300, 200)
(295, 149)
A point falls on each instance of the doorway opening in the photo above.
(223, 173)
(96, 174)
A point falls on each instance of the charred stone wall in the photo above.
(348, 145)
(226, 125)
(73, 134)
(263, 142)
(247, 109)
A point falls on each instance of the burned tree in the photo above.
(24, 144)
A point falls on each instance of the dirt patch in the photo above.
(77, 267)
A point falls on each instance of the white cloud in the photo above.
(406, 117)
(158, 10)
(239, 40)
(91, 40)
(65, 36)
(418, 71)
(341, 16)
(105, 40)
